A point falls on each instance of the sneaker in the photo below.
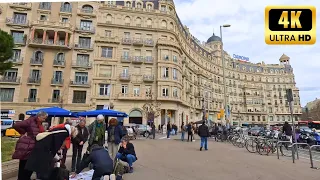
(200, 148)
(131, 170)
(106, 177)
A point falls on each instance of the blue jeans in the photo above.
(204, 142)
(168, 134)
(182, 136)
(129, 158)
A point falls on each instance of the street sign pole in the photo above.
(290, 100)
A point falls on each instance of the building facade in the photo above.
(88, 55)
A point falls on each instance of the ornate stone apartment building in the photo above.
(86, 55)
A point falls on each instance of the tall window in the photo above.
(175, 92)
(104, 89)
(108, 33)
(57, 76)
(136, 91)
(106, 52)
(32, 95)
(86, 25)
(79, 97)
(149, 6)
(19, 18)
(165, 92)
(18, 36)
(166, 72)
(65, 20)
(11, 74)
(174, 58)
(87, 9)
(6, 94)
(35, 74)
(45, 5)
(56, 95)
(174, 74)
(81, 77)
(85, 42)
(124, 89)
(126, 35)
(66, 7)
(82, 59)
(128, 4)
(125, 71)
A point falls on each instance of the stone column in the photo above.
(67, 39)
(55, 37)
(44, 36)
(32, 34)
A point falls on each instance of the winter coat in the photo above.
(100, 159)
(117, 133)
(287, 129)
(41, 159)
(81, 136)
(203, 131)
(92, 130)
(26, 143)
(128, 150)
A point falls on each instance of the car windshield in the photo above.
(306, 129)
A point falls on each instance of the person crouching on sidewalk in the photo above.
(127, 153)
(100, 159)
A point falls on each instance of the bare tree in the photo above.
(151, 109)
(314, 113)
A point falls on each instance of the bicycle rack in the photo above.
(294, 147)
(311, 160)
(280, 142)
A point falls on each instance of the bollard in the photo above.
(311, 159)
(295, 147)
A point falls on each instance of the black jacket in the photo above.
(128, 150)
(81, 136)
(203, 131)
(41, 159)
(287, 129)
(100, 159)
(169, 127)
(189, 128)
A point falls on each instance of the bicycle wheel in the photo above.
(234, 140)
(241, 142)
(286, 150)
(251, 145)
(263, 148)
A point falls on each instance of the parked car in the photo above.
(144, 130)
(255, 131)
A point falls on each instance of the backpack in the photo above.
(120, 169)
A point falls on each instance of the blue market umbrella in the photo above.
(52, 111)
(105, 112)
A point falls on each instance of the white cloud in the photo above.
(246, 35)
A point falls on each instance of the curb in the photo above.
(10, 169)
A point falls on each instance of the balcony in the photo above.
(39, 43)
(80, 84)
(65, 9)
(149, 42)
(17, 22)
(85, 30)
(88, 47)
(107, 39)
(55, 81)
(56, 100)
(36, 61)
(148, 60)
(16, 61)
(86, 13)
(34, 80)
(126, 59)
(126, 41)
(59, 63)
(21, 6)
(53, 24)
(82, 65)
(9, 80)
(138, 59)
(138, 42)
(31, 99)
(124, 77)
(148, 78)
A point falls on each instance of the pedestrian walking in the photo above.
(203, 132)
(153, 130)
(114, 137)
(169, 129)
(287, 130)
(183, 130)
(189, 129)
(97, 132)
(28, 129)
(77, 144)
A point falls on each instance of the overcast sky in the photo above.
(246, 36)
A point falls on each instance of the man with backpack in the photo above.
(203, 132)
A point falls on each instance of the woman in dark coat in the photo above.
(29, 129)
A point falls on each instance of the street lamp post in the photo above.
(224, 77)
(203, 110)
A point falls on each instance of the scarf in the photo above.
(99, 131)
(41, 128)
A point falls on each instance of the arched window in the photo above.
(38, 56)
(164, 24)
(109, 18)
(127, 20)
(66, 7)
(138, 21)
(60, 57)
(87, 9)
(149, 6)
(149, 22)
(139, 5)
(128, 4)
(171, 26)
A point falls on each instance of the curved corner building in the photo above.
(133, 56)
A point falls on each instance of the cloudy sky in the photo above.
(246, 35)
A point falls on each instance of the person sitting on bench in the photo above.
(100, 159)
(127, 153)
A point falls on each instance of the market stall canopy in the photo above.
(52, 111)
(105, 112)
